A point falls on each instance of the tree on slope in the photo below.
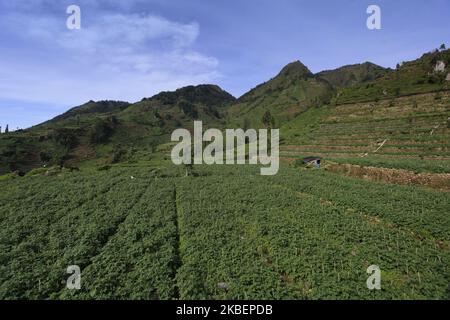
(268, 120)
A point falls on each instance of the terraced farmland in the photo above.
(225, 233)
(411, 133)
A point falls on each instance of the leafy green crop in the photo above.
(224, 233)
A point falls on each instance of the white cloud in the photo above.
(40, 85)
(114, 56)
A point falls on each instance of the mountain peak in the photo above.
(352, 74)
(206, 94)
(295, 69)
(92, 107)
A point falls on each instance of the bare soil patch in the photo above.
(439, 181)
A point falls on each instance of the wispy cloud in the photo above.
(122, 56)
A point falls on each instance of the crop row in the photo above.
(307, 235)
(42, 235)
(140, 260)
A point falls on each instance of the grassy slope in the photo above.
(414, 125)
(416, 130)
(295, 97)
(352, 75)
(129, 132)
(410, 78)
(288, 94)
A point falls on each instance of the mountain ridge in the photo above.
(104, 129)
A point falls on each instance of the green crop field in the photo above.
(94, 190)
(223, 233)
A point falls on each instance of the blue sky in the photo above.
(127, 50)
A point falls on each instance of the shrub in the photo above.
(188, 108)
(104, 168)
(102, 130)
(118, 155)
(8, 176)
(35, 172)
(65, 137)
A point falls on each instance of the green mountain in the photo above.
(290, 93)
(108, 132)
(296, 89)
(352, 75)
(399, 120)
(87, 110)
(208, 103)
(413, 77)
(140, 227)
(298, 101)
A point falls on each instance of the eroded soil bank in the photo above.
(439, 181)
